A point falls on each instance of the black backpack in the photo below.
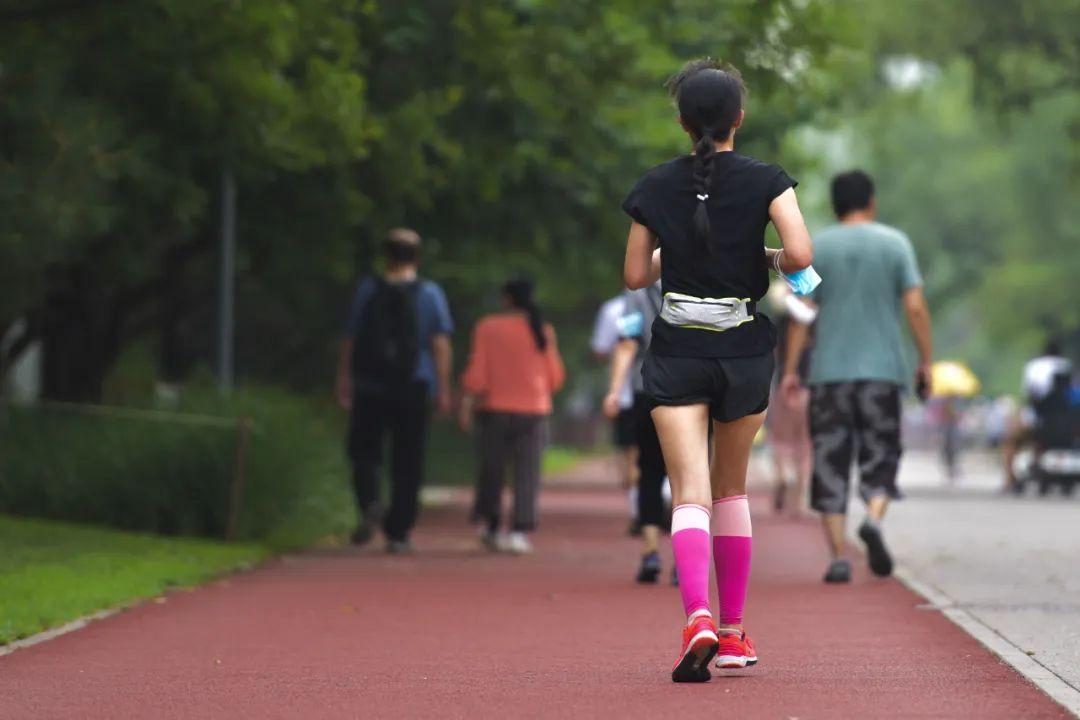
(387, 344)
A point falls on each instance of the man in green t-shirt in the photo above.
(869, 276)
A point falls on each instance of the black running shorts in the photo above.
(732, 387)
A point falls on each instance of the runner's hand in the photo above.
(923, 382)
(790, 386)
(611, 406)
(465, 418)
(344, 393)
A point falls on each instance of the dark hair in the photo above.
(709, 96)
(520, 293)
(1052, 347)
(852, 190)
(402, 246)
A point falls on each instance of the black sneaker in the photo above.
(649, 572)
(399, 547)
(880, 561)
(362, 535)
(839, 572)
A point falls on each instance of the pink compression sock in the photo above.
(731, 543)
(690, 543)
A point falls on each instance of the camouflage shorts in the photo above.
(854, 419)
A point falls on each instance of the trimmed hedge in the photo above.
(174, 478)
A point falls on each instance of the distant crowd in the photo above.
(395, 365)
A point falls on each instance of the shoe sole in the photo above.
(693, 666)
(880, 561)
(735, 662)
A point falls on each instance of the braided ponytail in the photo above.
(704, 152)
(709, 96)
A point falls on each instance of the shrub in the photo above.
(173, 477)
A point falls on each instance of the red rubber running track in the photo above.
(456, 633)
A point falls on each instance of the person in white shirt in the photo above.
(1039, 372)
(1038, 379)
(605, 337)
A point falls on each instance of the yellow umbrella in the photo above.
(949, 378)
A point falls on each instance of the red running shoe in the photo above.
(698, 648)
(735, 651)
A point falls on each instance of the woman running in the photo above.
(514, 367)
(711, 356)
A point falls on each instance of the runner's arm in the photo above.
(918, 317)
(622, 359)
(797, 336)
(642, 266)
(788, 220)
(555, 367)
(443, 353)
(343, 386)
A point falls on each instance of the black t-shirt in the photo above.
(741, 190)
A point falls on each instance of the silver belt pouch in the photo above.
(716, 314)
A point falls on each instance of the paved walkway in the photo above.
(456, 633)
(1012, 563)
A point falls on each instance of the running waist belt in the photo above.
(716, 314)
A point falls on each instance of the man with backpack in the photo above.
(395, 359)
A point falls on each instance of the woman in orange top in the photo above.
(514, 367)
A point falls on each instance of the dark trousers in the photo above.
(651, 467)
(516, 439)
(863, 417)
(403, 414)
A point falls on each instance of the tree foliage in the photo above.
(505, 131)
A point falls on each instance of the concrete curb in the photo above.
(1037, 673)
(56, 632)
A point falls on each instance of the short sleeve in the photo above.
(779, 182)
(606, 331)
(364, 291)
(908, 267)
(443, 323)
(637, 203)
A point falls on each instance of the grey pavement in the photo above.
(1011, 562)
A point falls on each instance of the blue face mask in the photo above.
(803, 282)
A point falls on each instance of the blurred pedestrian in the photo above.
(710, 359)
(949, 418)
(857, 370)
(395, 359)
(514, 368)
(605, 337)
(641, 308)
(1038, 382)
(787, 423)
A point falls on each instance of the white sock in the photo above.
(631, 495)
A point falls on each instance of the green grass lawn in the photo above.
(53, 572)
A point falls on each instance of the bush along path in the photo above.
(454, 632)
